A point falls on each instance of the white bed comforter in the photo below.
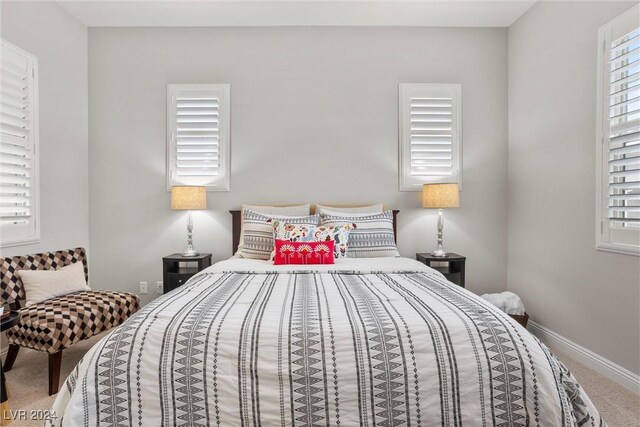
(366, 342)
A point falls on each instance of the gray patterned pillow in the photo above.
(372, 236)
(258, 231)
(296, 210)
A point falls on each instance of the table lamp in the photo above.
(439, 196)
(189, 198)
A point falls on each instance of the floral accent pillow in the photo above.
(304, 233)
(287, 252)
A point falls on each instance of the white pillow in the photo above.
(352, 214)
(297, 210)
(371, 209)
(40, 285)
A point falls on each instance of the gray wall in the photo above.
(59, 41)
(588, 296)
(314, 119)
(303, 92)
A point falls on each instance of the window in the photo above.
(19, 207)
(198, 136)
(618, 135)
(430, 135)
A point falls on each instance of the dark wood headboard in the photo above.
(236, 221)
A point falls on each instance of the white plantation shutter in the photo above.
(430, 142)
(198, 133)
(624, 131)
(619, 137)
(18, 146)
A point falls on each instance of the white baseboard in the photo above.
(603, 366)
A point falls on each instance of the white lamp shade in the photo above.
(438, 196)
(188, 198)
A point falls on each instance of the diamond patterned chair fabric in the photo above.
(12, 289)
(58, 323)
(55, 324)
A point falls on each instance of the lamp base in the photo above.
(439, 252)
(190, 253)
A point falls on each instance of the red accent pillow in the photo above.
(304, 252)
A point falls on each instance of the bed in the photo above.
(385, 341)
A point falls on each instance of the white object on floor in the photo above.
(506, 301)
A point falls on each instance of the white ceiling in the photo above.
(206, 13)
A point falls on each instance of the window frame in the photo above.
(605, 239)
(407, 182)
(33, 233)
(224, 141)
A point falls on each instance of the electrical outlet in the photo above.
(159, 287)
(143, 287)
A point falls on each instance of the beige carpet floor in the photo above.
(27, 383)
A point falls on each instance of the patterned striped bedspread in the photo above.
(330, 348)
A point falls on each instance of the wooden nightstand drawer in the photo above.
(178, 269)
(175, 280)
(451, 266)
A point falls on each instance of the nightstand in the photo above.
(175, 274)
(451, 266)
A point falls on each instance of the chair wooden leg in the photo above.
(55, 360)
(11, 357)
